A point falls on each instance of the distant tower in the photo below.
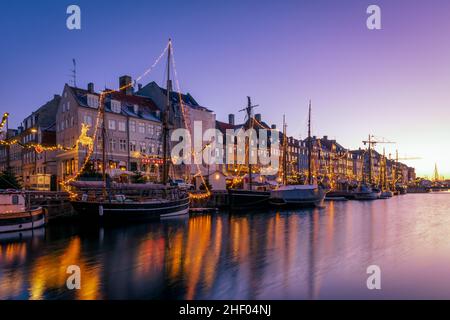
(436, 173)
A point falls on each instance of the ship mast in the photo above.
(284, 151)
(310, 178)
(370, 160)
(248, 110)
(385, 177)
(166, 119)
(102, 100)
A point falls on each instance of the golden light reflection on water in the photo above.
(296, 254)
(198, 240)
(50, 272)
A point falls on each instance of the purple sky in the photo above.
(392, 83)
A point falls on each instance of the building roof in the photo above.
(174, 96)
(45, 115)
(133, 99)
(147, 108)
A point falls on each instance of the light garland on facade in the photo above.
(85, 139)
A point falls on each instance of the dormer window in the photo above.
(136, 108)
(92, 101)
(115, 106)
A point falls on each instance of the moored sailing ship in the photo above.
(251, 198)
(162, 201)
(307, 195)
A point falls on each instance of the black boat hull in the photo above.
(133, 211)
(246, 199)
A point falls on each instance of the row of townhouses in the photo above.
(133, 140)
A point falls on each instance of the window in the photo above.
(151, 148)
(87, 119)
(68, 106)
(142, 147)
(123, 145)
(158, 132)
(150, 129)
(133, 166)
(92, 101)
(133, 126)
(122, 126)
(112, 124)
(62, 125)
(112, 144)
(15, 199)
(141, 127)
(132, 145)
(115, 106)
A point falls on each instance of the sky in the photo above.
(392, 83)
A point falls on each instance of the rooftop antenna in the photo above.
(74, 73)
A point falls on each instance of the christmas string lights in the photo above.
(101, 109)
(4, 119)
(194, 196)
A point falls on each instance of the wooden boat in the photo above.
(110, 204)
(15, 215)
(247, 199)
(124, 209)
(240, 199)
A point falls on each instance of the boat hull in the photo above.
(340, 194)
(130, 211)
(386, 194)
(247, 199)
(297, 197)
(18, 221)
(367, 195)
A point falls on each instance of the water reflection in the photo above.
(301, 254)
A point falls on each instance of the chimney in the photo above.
(274, 126)
(325, 137)
(139, 86)
(90, 87)
(258, 117)
(231, 119)
(126, 81)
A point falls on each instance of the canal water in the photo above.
(299, 254)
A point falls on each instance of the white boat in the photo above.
(386, 194)
(15, 215)
(365, 192)
(307, 195)
(298, 195)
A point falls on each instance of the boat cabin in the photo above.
(12, 202)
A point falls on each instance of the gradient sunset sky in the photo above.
(393, 83)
